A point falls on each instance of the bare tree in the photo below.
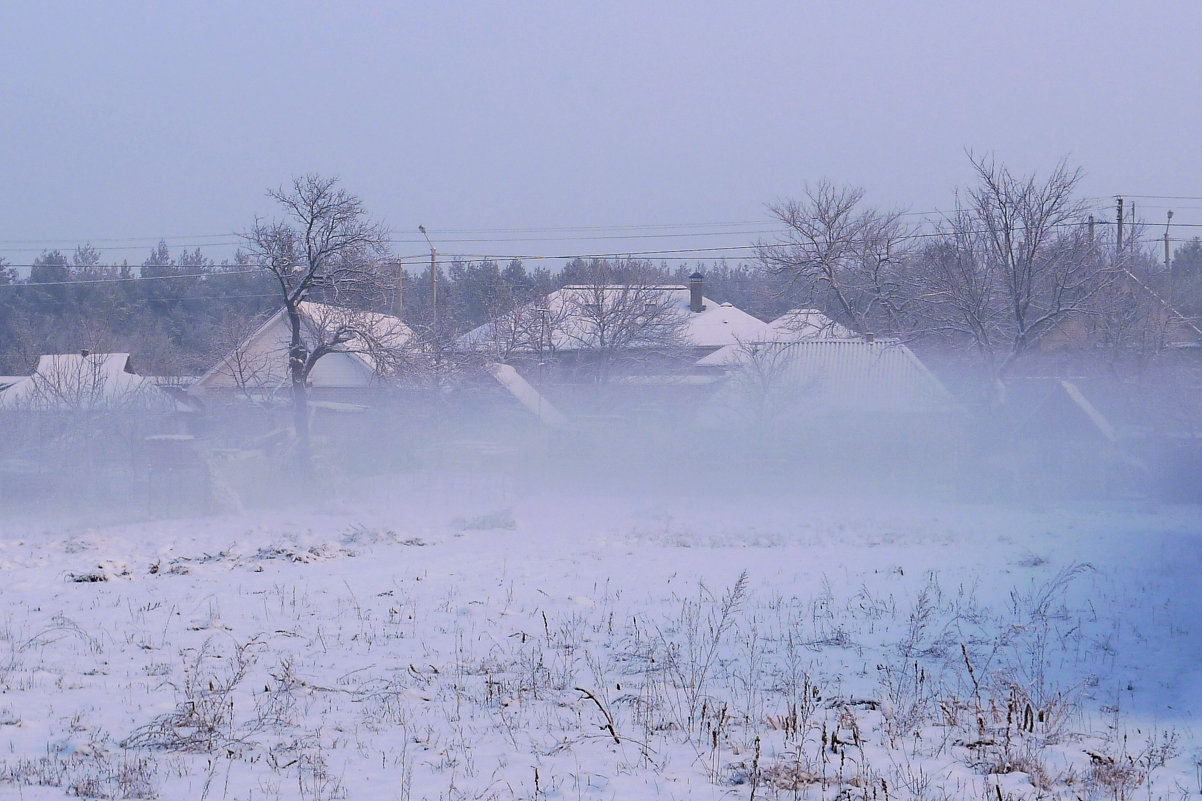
(325, 245)
(524, 330)
(1012, 264)
(382, 341)
(843, 257)
(1130, 320)
(612, 323)
(756, 391)
(250, 369)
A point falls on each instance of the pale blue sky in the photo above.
(148, 120)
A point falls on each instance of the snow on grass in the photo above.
(466, 639)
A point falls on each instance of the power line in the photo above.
(124, 278)
(545, 229)
(476, 234)
(1163, 197)
(671, 254)
(644, 231)
(90, 240)
(585, 238)
(589, 237)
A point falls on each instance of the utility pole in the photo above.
(1091, 223)
(1120, 221)
(400, 287)
(433, 281)
(1168, 267)
(435, 339)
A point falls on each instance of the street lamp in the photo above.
(433, 280)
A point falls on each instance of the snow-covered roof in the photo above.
(794, 325)
(526, 394)
(84, 381)
(721, 324)
(260, 362)
(572, 326)
(1052, 408)
(383, 327)
(830, 376)
(798, 324)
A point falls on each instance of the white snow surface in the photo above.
(432, 635)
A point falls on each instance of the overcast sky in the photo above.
(127, 122)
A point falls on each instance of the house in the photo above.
(1103, 435)
(833, 410)
(821, 378)
(74, 428)
(257, 367)
(795, 325)
(798, 324)
(632, 317)
(603, 352)
(84, 382)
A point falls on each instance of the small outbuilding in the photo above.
(84, 381)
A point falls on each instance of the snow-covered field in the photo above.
(453, 636)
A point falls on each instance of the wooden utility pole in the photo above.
(434, 288)
(400, 287)
(1091, 223)
(1168, 266)
(433, 281)
(1120, 223)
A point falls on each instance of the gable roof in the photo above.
(1052, 409)
(84, 381)
(794, 325)
(265, 351)
(716, 325)
(826, 376)
(798, 324)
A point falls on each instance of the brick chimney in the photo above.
(696, 303)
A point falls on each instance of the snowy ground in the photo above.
(581, 645)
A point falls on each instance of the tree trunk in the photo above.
(300, 394)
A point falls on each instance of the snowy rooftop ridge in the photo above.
(795, 325)
(264, 352)
(83, 381)
(824, 376)
(714, 326)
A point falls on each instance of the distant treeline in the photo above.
(177, 313)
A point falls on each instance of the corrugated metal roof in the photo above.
(828, 376)
(881, 373)
(793, 326)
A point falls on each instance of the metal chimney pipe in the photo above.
(696, 301)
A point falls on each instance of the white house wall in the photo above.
(265, 360)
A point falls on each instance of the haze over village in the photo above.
(600, 402)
